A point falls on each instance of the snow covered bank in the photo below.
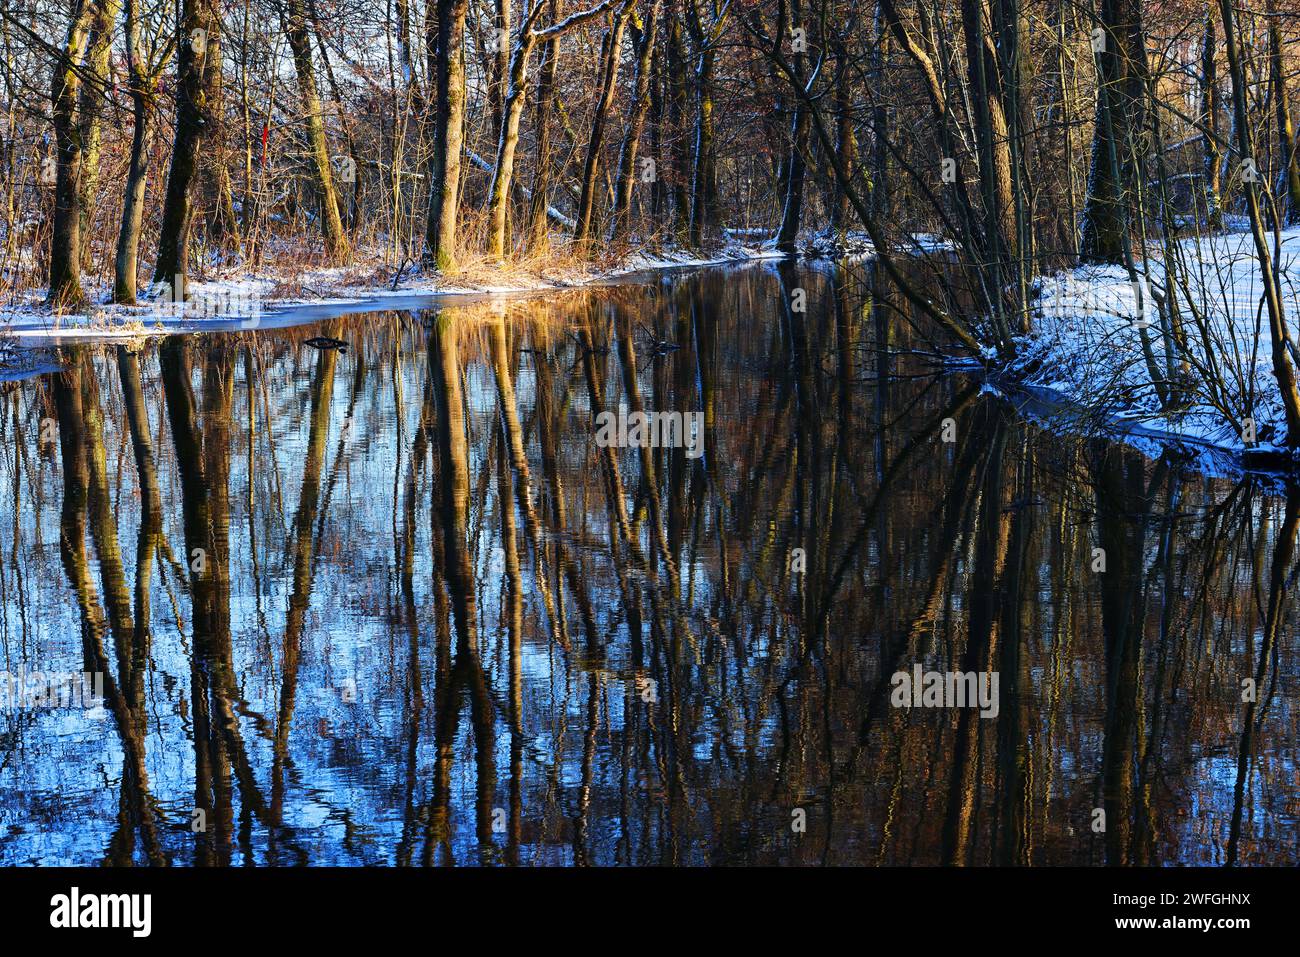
(275, 298)
(840, 245)
(1101, 342)
(249, 301)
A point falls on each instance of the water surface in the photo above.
(395, 605)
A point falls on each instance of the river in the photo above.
(395, 604)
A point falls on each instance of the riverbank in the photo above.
(235, 300)
(1101, 343)
(1096, 360)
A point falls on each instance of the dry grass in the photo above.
(298, 269)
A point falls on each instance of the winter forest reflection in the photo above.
(395, 605)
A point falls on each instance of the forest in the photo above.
(142, 141)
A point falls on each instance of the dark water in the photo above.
(397, 606)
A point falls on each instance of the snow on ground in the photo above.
(1098, 341)
(252, 301)
(1096, 349)
(244, 300)
(733, 252)
(856, 245)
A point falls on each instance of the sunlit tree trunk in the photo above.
(643, 42)
(1290, 171)
(600, 120)
(143, 103)
(538, 218)
(448, 134)
(1114, 165)
(992, 137)
(336, 242)
(503, 171)
(65, 237)
(92, 97)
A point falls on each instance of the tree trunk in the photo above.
(943, 120)
(1290, 172)
(214, 174)
(675, 79)
(795, 165)
(1212, 160)
(192, 124)
(448, 134)
(538, 223)
(336, 242)
(595, 143)
(704, 181)
(643, 42)
(503, 171)
(993, 141)
(142, 100)
(500, 65)
(1279, 338)
(1119, 116)
(91, 104)
(65, 237)
(846, 141)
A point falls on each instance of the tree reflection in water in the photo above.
(395, 605)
